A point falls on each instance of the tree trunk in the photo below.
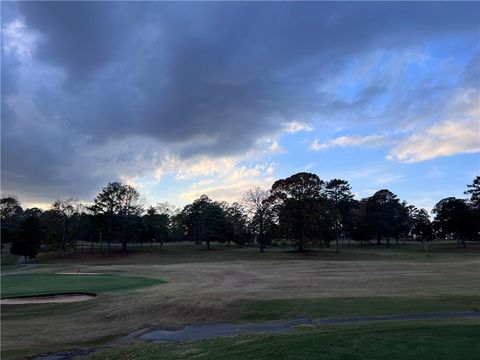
(109, 235)
(63, 236)
(124, 235)
(388, 242)
(300, 247)
(425, 245)
(337, 245)
(262, 249)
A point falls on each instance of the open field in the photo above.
(212, 286)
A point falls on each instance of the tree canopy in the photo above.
(301, 209)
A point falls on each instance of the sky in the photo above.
(190, 98)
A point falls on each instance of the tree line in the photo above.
(301, 210)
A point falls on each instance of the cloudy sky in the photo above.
(182, 99)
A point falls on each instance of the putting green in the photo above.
(42, 284)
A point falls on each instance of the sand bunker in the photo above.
(44, 299)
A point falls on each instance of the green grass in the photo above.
(30, 352)
(7, 259)
(260, 310)
(392, 341)
(41, 284)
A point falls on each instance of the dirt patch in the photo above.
(44, 299)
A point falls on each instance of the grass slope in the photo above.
(40, 284)
(260, 310)
(390, 341)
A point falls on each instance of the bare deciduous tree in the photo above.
(67, 209)
(256, 202)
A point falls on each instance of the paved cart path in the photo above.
(206, 331)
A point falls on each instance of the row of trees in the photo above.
(301, 209)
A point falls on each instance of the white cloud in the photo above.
(444, 139)
(232, 183)
(18, 40)
(296, 126)
(347, 141)
(228, 190)
(196, 167)
(275, 147)
(222, 178)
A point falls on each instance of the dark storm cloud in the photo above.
(80, 37)
(198, 78)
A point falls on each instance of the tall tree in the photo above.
(339, 193)
(156, 225)
(360, 227)
(29, 237)
(403, 221)
(383, 212)
(474, 204)
(453, 219)
(68, 211)
(116, 203)
(204, 221)
(302, 212)
(130, 209)
(11, 217)
(473, 190)
(257, 205)
(9, 207)
(422, 229)
(237, 223)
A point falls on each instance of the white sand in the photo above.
(65, 298)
